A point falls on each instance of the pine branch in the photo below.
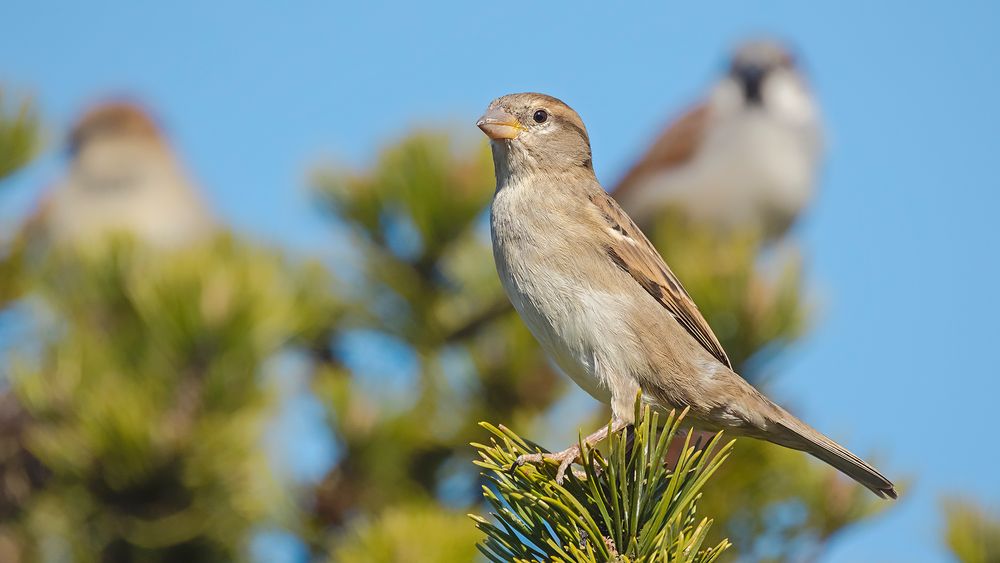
(625, 506)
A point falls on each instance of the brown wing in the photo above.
(675, 146)
(631, 251)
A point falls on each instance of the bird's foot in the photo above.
(564, 458)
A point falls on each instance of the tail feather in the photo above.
(740, 408)
(800, 436)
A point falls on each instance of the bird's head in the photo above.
(113, 144)
(536, 132)
(113, 121)
(762, 74)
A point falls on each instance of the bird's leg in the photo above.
(570, 454)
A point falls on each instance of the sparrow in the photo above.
(122, 176)
(745, 158)
(601, 301)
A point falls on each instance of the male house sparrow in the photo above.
(122, 177)
(600, 300)
(746, 158)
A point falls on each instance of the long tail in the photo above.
(749, 413)
(788, 431)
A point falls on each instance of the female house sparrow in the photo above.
(601, 301)
(744, 158)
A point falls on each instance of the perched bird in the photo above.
(601, 301)
(745, 158)
(122, 178)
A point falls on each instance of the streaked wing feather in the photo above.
(631, 251)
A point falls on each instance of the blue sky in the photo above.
(903, 241)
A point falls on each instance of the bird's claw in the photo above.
(565, 459)
(529, 458)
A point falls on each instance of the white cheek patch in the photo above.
(787, 98)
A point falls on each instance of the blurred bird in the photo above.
(122, 178)
(601, 301)
(745, 158)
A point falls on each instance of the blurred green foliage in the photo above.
(19, 134)
(972, 533)
(146, 401)
(20, 472)
(417, 533)
(19, 140)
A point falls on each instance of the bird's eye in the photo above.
(541, 116)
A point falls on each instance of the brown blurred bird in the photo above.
(747, 157)
(601, 301)
(122, 178)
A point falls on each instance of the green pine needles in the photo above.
(623, 506)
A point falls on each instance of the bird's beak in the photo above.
(498, 124)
